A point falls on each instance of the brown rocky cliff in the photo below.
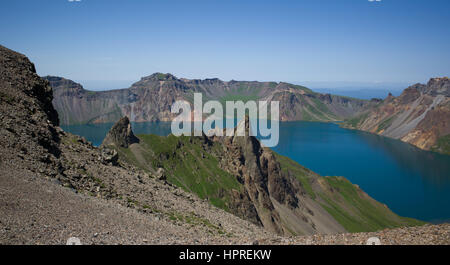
(263, 180)
(419, 116)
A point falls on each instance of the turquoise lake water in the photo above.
(412, 182)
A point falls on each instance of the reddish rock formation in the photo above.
(419, 116)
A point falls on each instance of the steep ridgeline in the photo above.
(419, 116)
(240, 176)
(150, 99)
(29, 123)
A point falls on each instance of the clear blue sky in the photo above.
(310, 40)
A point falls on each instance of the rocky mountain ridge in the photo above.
(150, 99)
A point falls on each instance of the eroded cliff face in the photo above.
(150, 99)
(76, 105)
(259, 172)
(419, 116)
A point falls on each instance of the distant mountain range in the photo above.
(420, 116)
(362, 93)
(361, 90)
(150, 99)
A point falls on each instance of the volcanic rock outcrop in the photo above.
(121, 134)
(419, 116)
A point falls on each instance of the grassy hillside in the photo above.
(186, 164)
(193, 164)
(347, 203)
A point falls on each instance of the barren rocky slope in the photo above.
(150, 99)
(419, 116)
(419, 235)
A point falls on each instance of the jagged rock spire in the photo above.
(121, 134)
(244, 128)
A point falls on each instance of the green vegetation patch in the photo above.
(361, 214)
(301, 173)
(385, 123)
(237, 97)
(161, 76)
(442, 145)
(187, 164)
(350, 206)
(354, 122)
(91, 93)
(323, 108)
(307, 90)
